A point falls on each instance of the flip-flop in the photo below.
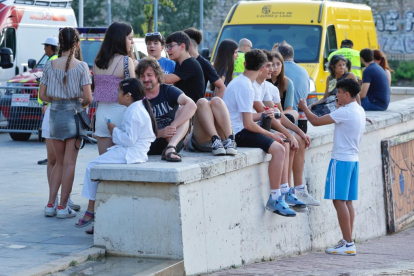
(89, 231)
(168, 157)
(82, 222)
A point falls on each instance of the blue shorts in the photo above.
(342, 180)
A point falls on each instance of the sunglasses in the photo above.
(154, 34)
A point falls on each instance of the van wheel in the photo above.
(19, 136)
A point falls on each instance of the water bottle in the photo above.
(265, 121)
(278, 115)
(302, 121)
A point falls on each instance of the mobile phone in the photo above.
(286, 140)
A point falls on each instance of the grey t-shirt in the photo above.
(300, 79)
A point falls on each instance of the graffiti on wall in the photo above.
(395, 31)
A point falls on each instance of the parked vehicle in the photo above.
(313, 28)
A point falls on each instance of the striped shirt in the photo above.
(76, 78)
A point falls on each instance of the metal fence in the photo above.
(21, 113)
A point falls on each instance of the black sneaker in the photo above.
(42, 162)
(217, 146)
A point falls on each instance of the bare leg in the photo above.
(179, 135)
(276, 165)
(294, 113)
(68, 174)
(221, 116)
(285, 171)
(204, 127)
(103, 144)
(292, 154)
(299, 162)
(351, 214)
(51, 159)
(344, 219)
(56, 175)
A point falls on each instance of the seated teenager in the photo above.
(239, 98)
(188, 75)
(172, 110)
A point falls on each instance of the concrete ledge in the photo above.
(63, 263)
(402, 90)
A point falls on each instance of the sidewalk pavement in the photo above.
(389, 255)
(28, 239)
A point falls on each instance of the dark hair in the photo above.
(53, 47)
(150, 62)
(195, 35)
(136, 89)
(268, 54)
(347, 43)
(157, 37)
(179, 37)
(224, 61)
(68, 39)
(382, 58)
(334, 60)
(280, 80)
(367, 55)
(286, 50)
(255, 59)
(349, 85)
(113, 43)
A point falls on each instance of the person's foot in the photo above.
(230, 146)
(50, 210)
(89, 231)
(217, 147)
(73, 206)
(87, 219)
(342, 248)
(65, 212)
(42, 162)
(306, 198)
(293, 201)
(279, 207)
(173, 155)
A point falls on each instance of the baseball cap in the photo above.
(51, 41)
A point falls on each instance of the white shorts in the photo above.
(105, 111)
(46, 124)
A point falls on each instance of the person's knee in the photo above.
(277, 150)
(202, 103)
(301, 142)
(216, 102)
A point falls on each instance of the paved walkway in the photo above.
(28, 239)
(389, 255)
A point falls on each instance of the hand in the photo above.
(278, 137)
(294, 145)
(168, 132)
(306, 139)
(111, 127)
(270, 112)
(310, 106)
(369, 121)
(44, 109)
(302, 104)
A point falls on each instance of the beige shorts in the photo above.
(105, 111)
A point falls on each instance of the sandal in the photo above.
(168, 157)
(82, 222)
(89, 231)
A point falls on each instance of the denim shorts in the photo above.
(62, 120)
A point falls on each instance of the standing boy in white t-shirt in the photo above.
(239, 98)
(342, 180)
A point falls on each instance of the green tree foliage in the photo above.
(92, 11)
(149, 13)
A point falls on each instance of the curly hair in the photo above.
(153, 63)
(68, 41)
(334, 60)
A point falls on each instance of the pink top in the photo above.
(106, 86)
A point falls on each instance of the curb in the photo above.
(63, 263)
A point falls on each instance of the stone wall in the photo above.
(394, 20)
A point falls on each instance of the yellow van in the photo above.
(313, 28)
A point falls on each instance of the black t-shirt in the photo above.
(209, 72)
(192, 79)
(165, 105)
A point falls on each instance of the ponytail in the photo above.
(148, 107)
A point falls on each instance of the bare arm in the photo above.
(42, 96)
(220, 88)
(364, 89)
(171, 78)
(131, 68)
(188, 109)
(87, 95)
(250, 125)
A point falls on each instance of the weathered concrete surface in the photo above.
(214, 206)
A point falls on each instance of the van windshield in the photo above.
(90, 49)
(305, 39)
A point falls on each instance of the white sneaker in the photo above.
(65, 213)
(306, 198)
(342, 248)
(50, 210)
(72, 205)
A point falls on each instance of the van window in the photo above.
(90, 49)
(305, 39)
(330, 43)
(8, 39)
(42, 62)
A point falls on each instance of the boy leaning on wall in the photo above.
(342, 179)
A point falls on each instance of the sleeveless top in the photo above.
(332, 84)
(106, 86)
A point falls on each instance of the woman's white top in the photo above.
(135, 133)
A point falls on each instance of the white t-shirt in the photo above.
(273, 91)
(261, 92)
(239, 98)
(349, 128)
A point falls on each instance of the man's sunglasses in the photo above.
(154, 34)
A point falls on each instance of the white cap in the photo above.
(52, 41)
